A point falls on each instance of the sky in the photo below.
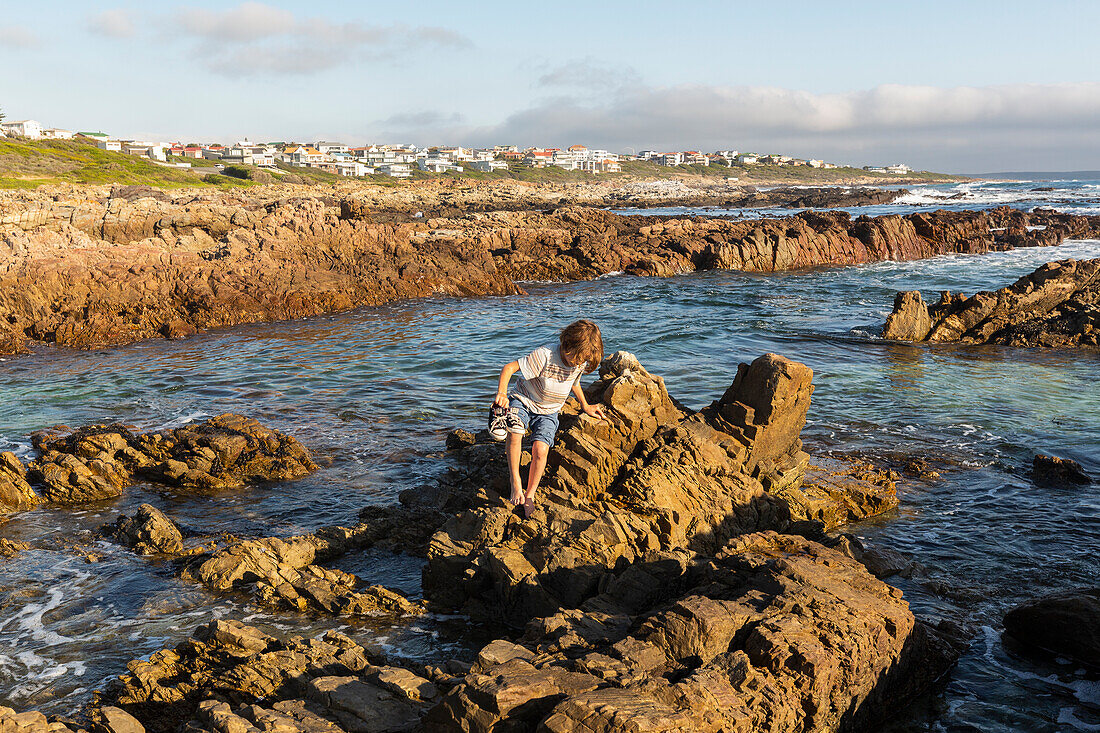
(948, 86)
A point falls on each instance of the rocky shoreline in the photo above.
(88, 268)
(1057, 305)
(675, 577)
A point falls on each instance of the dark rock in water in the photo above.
(1058, 305)
(1054, 471)
(232, 677)
(148, 532)
(98, 461)
(460, 438)
(15, 493)
(1066, 624)
(771, 633)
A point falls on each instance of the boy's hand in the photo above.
(501, 400)
(594, 411)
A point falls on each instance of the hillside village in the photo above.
(399, 161)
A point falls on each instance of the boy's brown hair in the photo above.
(581, 342)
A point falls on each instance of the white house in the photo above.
(748, 158)
(395, 170)
(487, 166)
(56, 133)
(328, 148)
(22, 128)
(352, 168)
(108, 144)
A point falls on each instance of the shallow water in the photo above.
(372, 392)
(1066, 196)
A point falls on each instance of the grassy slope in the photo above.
(28, 164)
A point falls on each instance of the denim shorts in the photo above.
(542, 427)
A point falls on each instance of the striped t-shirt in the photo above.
(547, 380)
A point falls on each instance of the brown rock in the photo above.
(1054, 471)
(910, 320)
(15, 493)
(148, 532)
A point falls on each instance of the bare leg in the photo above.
(514, 448)
(539, 452)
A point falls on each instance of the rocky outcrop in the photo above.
(15, 493)
(95, 271)
(30, 721)
(1058, 305)
(232, 678)
(1064, 624)
(771, 633)
(98, 461)
(1055, 471)
(148, 532)
(651, 478)
(282, 574)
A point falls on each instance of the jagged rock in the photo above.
(1054, 471)
(234, 678)
(1057, 305)
(135, 267)
(1066, 624)
(15, 493)
(910, 320)
(31, 721)
(148, 532)
(281, 574)
(11, 548)
(651, 478)
(98, 461)
(773, 633)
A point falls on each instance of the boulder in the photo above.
(910, 320)
(1055, 471)
(1066, 624)
(148, 532)
(15, 493)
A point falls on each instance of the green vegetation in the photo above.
(28, 164)
(31, 163)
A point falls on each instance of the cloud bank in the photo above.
(961, 128)
(254, 39)
(112, 24)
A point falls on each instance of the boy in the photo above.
(549, 374)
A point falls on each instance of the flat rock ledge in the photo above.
(1057, 305)
(98, 461)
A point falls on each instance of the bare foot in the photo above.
(528, 506)
(516, 497)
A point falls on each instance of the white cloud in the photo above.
(257, 39)
(112, 24)
(16, 36)
(960, 128)
(588, 74)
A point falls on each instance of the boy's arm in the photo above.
(502, 386)
(591, 410)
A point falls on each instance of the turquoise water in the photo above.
(372, 392)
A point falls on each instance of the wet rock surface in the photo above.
(1063, 624)
(97, 270)
(148, 532)
(1055, 471)
(97, 462)
(1058, 305)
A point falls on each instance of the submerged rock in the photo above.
(1055, 471)
(1066, 624)
(1056, 305)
